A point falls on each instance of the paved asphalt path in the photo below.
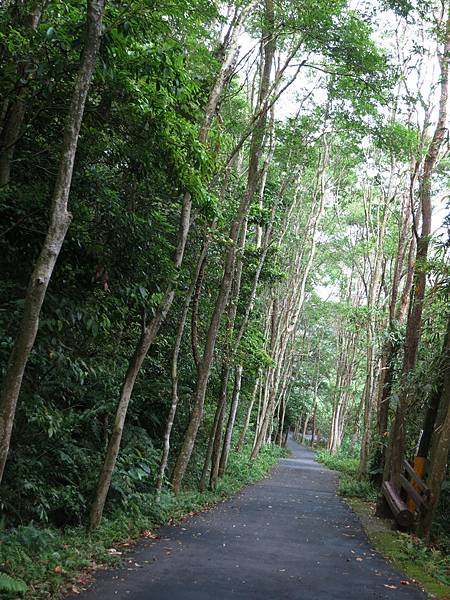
(287, 537)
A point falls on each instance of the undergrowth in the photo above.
(338, 462)
(356, 488)
(349, 483)
(435, 562)
(38, 562)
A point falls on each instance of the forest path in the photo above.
(287, 537)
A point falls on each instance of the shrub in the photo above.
(338, 462)
(357, 488)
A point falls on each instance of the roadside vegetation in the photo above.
(219, 222)
(40, 562)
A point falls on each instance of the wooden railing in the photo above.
(411, 486)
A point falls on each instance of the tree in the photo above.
(414, 322)
(440, 445)
(59, 223)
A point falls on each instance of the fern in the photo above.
(9, 584)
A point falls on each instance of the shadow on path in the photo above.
(287, 537)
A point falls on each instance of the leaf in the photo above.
(9, 584)
(50, 33)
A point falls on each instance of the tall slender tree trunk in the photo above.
(248, 416)
(174, 369)
(230, 256)
(313, 427)
(397, 312)
(59, 223)
(414, 323)
(344, 377)
(293, 304)
(440, 448)
(217, 442)
(377, 230)
(298, 426)
(210, 448)
(15, 112)
(305, 428)
(432, 411)
(231, 420)
(316, 391)
(152, 328)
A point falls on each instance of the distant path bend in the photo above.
(286, 537)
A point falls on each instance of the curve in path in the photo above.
(287, 537)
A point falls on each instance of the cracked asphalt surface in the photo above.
(286, 537)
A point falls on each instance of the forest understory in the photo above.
(220, 224)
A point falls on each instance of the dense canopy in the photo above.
(219, 223)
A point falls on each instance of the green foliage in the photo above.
(434, 562)
(349, 483)
(138, 155)
(357, 488)
(338, 462)
(401, 141)
(9, 585)
(48, 558)
(425, 565)
(441, 526)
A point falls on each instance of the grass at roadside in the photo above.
(349, 483)
(421, 563)
(338, 462)
(424, 564)
(50, 560)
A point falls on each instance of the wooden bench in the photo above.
(414, 488)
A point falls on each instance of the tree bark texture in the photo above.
(174, 370)
(248, 416)
(440, 449)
